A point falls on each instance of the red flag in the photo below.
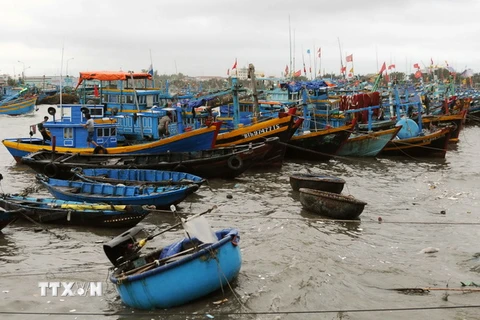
(418, 74)
(384, 67)
(390, 67)
(343, 69)
(387, 78)
(350, 58)
(235, 64)
(286, 70)
(304, 69)
(319, 52)
(298, 73)
(431, 61)
(95, 91)
(416, 66)
(228, 72)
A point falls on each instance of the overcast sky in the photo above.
(204, 37)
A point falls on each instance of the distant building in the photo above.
(50, 81)
(242, 73)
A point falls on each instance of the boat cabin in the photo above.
(66, 122)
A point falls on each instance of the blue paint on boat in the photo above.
(116, 194)
(184, 280)
(136, 176)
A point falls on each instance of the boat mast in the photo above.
(290, 42)
(341, 59)
(61, 80)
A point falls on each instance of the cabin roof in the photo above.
(111, 76)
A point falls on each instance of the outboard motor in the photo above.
(123, 248)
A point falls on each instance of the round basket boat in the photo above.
(330, 204)
(316, 182)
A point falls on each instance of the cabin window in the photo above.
(99, 132)
(96, 112)
(130, 99)
(67, 133)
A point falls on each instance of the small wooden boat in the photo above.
(367, 144)
(175, 274)
(331, 205)
(316, 182)
(137, 176)
(227, 162)
(8, 216)
(80, 191)
(51, 210)
(18, 106)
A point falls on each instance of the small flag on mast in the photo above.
(235, 64)
(350, 58)
(319, 52)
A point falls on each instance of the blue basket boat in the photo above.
(162, 196)
(177, 273)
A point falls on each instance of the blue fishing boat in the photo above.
(137, 176)
(55, 211)
(80, 191)
(175, 274)
(68, 135)
(18, 106)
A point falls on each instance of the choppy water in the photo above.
(295, 265)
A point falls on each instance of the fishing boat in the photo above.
(225, 162)
(8, 216)
(80, 191)
(418, 144)
(282, 126)
(333, 205)
(175, 274)
(55, 211)
(69, 135)
(367, 144)
(137, 176)
(18, 106)
(316, 182)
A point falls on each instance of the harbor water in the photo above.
(420, 229)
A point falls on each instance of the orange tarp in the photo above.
(111, 76)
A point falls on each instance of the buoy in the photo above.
(409, 129)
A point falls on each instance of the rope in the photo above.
(252, 313)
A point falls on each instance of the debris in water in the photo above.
(380, 219)
(443, 212)
(220, 301)
(229, 196)
(429, 250)
(209, 316)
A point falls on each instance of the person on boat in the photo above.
(163, 125)
(90, 126)
(43, 130)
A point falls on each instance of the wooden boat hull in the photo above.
(55, 211)
(199, 139)
(367, 144)
(130, 177)
(281, 127)
(225, 162)
(316, 182)
(324, 143)
(331, 205)
(8, 216)
(80, 191)
(184, 280)
(431, 145)
(455, 120)
(18, 107)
